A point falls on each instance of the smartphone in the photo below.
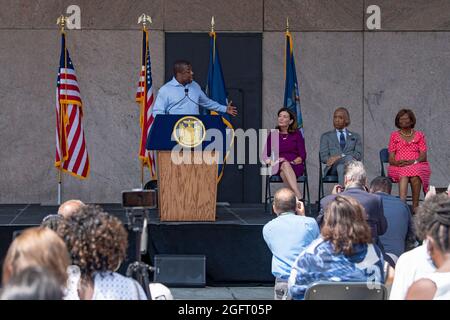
(139, 199)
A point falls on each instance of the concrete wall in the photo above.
(373, 73)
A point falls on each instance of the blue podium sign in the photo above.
(188, 131)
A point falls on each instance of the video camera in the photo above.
(139, 199)
(136, 203)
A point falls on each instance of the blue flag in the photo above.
(215, 90)
(291, 91)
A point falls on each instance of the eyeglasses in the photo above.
(52, 217)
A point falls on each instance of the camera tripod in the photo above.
(137, 222)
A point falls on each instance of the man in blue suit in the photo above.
(400, 230)
(355, 180)
(339, 146)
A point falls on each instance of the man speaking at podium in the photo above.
(182, 95)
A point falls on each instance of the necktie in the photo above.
(342, 139)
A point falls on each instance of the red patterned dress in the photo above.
(405, 150)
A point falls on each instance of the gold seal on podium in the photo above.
(189, 131)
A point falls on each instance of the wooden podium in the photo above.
(187, 188)
(187, 191)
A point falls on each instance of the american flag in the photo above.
(71, 151)
(145, 98)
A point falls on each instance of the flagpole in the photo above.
(143, 19)
(61, 22)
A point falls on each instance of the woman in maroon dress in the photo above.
(408, 157)
(291, 151)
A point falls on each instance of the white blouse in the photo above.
(442, 281)
(107, 286)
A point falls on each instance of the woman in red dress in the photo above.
(408, 157)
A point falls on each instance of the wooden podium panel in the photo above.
(187, 191)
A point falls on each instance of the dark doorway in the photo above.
(241, 58)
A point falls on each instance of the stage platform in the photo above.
(235, 251)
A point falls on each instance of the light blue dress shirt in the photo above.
(173, 99)
(287, 236)
(338, 134)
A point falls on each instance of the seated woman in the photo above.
(342, 253)
(291, 151)
(97, 243)
(408, 157)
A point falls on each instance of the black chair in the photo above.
(346, 291)
(384, 160)
(277, 179)
(324, 179)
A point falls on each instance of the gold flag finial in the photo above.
(287, 24)
(144, 19)
(213, 24)
(61, 22)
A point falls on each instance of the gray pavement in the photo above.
(223, 293)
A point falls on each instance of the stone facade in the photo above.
(372, 73)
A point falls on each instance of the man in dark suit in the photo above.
(400, 231)
(355, 180)
(339, 146)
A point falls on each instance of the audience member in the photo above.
(97, 243)
(400, 230)
(37, 247)
(287, 236)
(432, 191)
(416, 263)
(339, 146)
(343, 252)
(70, 207)
(52, 221)
(32, 283)
(355, 181)
(435, 285)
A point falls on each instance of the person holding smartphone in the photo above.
(287, 236)
(355, 181)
